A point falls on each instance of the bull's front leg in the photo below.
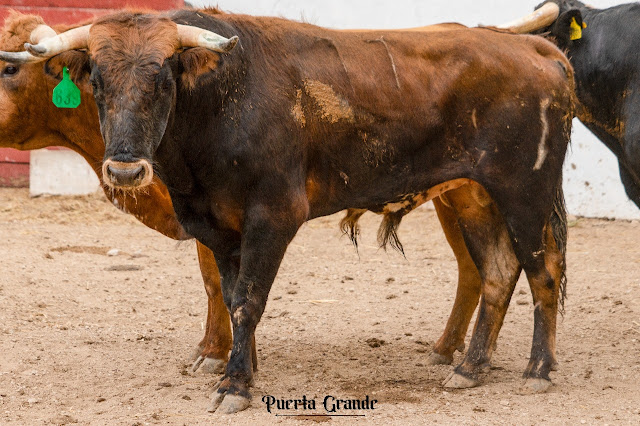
(265, 237)
(213, 350)
(212, 353)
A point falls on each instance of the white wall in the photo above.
(592, 184)
(60, 172)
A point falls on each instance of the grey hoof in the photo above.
(458, 381)
(535, 385)
(209, 365)
(216, 400)
(233, 404)
(195, 354)
(437, 359)
(213, 366)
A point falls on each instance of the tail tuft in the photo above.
(558, 223)
(388, 231)
(349, 225)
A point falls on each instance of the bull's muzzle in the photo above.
(118, 174)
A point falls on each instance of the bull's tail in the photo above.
(349, 225)
(387, 233)
(558, 222)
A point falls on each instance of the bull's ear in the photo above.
(76, 60)
(568, 28)
(196, 63)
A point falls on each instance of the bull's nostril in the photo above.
(140, 173)
(125, 176)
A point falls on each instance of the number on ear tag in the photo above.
(66, 94)
(575, 30)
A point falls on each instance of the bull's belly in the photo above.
(398, 204)
(406, 202)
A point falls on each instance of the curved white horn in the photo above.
(534, 21)
(76, 38)
(41, 32)
(38, 34)
(198, 37)
(23, 57)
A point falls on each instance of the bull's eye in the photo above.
(9, 70)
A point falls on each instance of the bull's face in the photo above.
(134, 88)
(134, 62)
(134, 72)
(560, 29)
(133, 120)
(16, 102)
(135, 102)
(556, 18)
(22, 96)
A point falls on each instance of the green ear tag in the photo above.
(66, 94)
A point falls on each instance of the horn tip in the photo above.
(35, 49)
(231, 43)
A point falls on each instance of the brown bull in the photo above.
(301, 122)
(22, 99)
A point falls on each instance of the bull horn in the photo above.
(18, 57)
(39, 33)
(76, 38)
(197, 37)
(534, 21)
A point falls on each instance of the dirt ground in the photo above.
(90, 338)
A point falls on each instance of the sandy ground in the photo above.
(90, 338)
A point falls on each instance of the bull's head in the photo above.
(134, 62)
(21, 82)
(557, 18)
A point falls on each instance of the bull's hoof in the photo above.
(228, 404)
(209, 365)
(435, 358)
(216, 400)
(458, 381)
(233, 404)
(535, 385)
(555, 366)
(197, 352)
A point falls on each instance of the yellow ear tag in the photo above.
(575, 31)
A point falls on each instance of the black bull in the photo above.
(606, 63)
(299, 122)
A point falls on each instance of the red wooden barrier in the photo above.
(14, 165)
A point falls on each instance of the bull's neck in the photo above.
(79, 130)
(597, 87)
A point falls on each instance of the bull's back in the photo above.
(381, 113)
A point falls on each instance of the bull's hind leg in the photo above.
(490, 248)
(545, 281)
(539, 241)
(469, 284)
(213, 351)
